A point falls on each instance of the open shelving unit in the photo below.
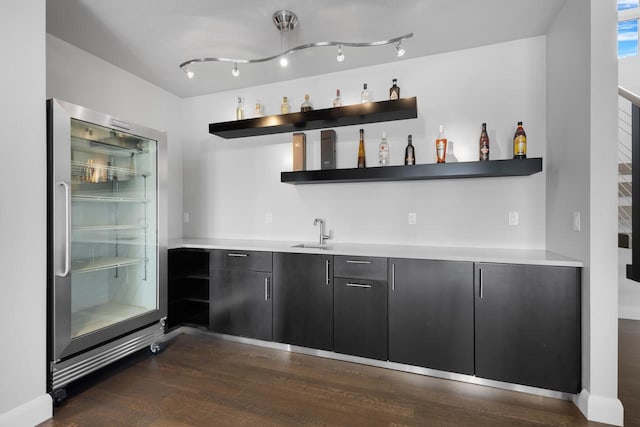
(492, 168)
(369, 112)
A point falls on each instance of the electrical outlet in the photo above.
(185, 217)
(513, 218)
(576, 221)
(268, 217)
(412, 218)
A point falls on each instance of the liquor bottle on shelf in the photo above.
(410, 152)
(362, 162)
(239, 110)
(306, 105)
(364, 95)
(441, 146)
(484, 143)
(394, 91)
(383, 151)
(338, 101)
(520, 143)
(284, 107)
(258, 109)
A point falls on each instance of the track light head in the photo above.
(188, 72)
(284, 61)
(235, 70)
(340, 56)
(400, 50)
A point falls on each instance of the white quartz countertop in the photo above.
(508, 256)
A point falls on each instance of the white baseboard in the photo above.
(28, 414)
(628, 312)
(600, 409)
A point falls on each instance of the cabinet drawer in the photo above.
(371, 268)
(241, 260)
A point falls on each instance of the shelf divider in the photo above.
(455, 170)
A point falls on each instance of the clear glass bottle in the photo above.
(383, 151)
(410, 152)
(441, 146)
(338, 101)
(239, 110)
(520, 143)
(394, 91)
(306, 105)
(364, 95)
(362, 162)
(284, 107)
(484, 143)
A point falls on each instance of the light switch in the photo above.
(576, 221)
(513, 218)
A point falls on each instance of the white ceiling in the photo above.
(150, 38)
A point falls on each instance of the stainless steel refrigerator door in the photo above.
(107, 241)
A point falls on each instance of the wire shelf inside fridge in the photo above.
(103, 263)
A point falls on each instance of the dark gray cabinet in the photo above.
(188, 288)
(240, 290)
(431, 314)
(360, 306)
(528, 325)
(303, 300)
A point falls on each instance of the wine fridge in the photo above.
(107, 244)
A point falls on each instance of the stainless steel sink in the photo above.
(312, 246)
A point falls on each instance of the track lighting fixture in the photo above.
(340, 56)
(285, 22)
(188, 72)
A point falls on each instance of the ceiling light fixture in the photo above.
(188, 72)
(235, 70)
(340, 56)
(285, 22)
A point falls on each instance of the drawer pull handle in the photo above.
(355, 261)
(327, 282)
(393, 277)
(358, 285)
(267, 291)
(480, 285)
(237, 255)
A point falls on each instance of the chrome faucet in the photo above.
(323, 237)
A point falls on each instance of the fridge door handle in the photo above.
(67, 229)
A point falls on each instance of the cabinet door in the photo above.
(241, 303)
(528, 325)
(303, 300)
(360, 317)
(431, 314)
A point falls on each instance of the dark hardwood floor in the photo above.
(201, 381)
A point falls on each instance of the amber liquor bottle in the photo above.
(362, 163)
(394, 91)
(410, 152)
(520, 143)
(484, 143)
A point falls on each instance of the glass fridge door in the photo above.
(113, 227)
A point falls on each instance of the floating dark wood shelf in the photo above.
(370, 112)
(493, 168)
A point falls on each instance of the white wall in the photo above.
(629, 73)
(76, 76)
(23, 398)
(582, 177)
(229, 185)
